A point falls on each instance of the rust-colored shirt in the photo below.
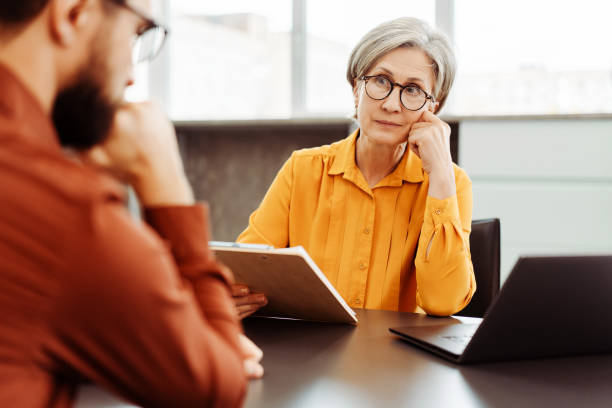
(372, 242)
(88, 294)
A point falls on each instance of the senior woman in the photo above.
(384, 213)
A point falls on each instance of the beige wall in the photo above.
(548, 180)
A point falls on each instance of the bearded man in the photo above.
(86, 292)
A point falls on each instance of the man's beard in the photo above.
(82, 114)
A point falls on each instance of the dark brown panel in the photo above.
(232, 167)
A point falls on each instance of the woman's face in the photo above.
(386, 121)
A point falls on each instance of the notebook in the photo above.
(294, 285)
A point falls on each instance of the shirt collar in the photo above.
(409, 169)
(22, 113)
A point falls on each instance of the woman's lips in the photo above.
(387, 123)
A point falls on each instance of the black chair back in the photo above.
(484, 247)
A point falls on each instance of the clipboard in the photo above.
(294, 285)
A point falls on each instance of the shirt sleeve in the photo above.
(445, 275)
(269, 223)
(149, 320)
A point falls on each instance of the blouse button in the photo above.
(362, 266)
(366, 231)
(438, 211)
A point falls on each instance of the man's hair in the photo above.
(18, 12)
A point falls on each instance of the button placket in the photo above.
(364, 254)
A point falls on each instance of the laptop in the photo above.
(548, 307)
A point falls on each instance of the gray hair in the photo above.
(406, 32)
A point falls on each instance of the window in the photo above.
(334, 28)
(529, 57)
(240, 59)
(229, 60)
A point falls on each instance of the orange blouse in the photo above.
(371, 242)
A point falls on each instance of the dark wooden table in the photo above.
(328, 365)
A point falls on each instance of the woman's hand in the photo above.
(246, 302)
(429, 138)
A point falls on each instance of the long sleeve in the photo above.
(269, 224)
(192, 256)
(445, 276)
(155, 326)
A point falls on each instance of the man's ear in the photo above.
(68, 18)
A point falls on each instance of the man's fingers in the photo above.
(253, 369)
(97, 156)
(252, 356)
(250, 349)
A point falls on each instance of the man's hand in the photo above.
(429, 138)
(141, 149)
(252, 357)
(247, 303)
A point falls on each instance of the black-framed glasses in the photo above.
(149, 39)
(412, 97)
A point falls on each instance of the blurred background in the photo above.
(248, 82)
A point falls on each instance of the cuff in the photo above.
(442, 210)
(185, 230)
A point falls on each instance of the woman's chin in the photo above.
(391, 137)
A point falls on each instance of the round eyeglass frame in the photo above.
(151, 26)
(365, 78)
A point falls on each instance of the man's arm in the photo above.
(146, 330)
(126, 319)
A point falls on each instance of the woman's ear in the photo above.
(356, 93)
(433, 107)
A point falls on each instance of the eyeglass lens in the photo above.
(412, 97)
(148, 44)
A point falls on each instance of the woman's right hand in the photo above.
(246, 302)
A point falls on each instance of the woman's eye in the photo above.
(412, 90)
(381, 81)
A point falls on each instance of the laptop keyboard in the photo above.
(460, 339)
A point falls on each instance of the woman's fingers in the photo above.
(246, 310)
(246, 302)
(430, 141)
(239, 290)
(258, 299)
